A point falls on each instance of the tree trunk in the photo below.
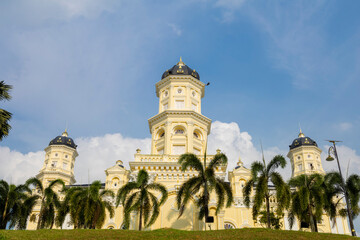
(312, 225)
(315, 224)
(41, 213)
(140, 218)
(4, 215)
(267, 212)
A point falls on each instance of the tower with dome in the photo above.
(179, 127)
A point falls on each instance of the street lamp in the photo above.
(332, 150)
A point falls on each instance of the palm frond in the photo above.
(218, 159)
(191, 160)
(277, 161)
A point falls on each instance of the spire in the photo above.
(65, 133)
(240, 163)
(180, 63)
(301, 135)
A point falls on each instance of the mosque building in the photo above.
(179, 127)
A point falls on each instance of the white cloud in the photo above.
(236, 144)
(344, 126)
(229, 7)
(44, 12)
(96, 154)
(86, 8)
(349, 160)
(17, 167)
(175, 29)
(296, 40)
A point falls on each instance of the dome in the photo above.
(302, 140)
(63, 140)
(181, 69)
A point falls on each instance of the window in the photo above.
(300, 167)
(160, 134)
(179, 131)
(228, 225)
(179, 91)
(166, 93)
(53, 164)
(56, 154)
(65, 165)
(66, 156)
(178, 149)
(299, 157)
(194, 107)
(165, 106)
(196, 135)
(309, 156)
(311, 166)
(194, 93)
(242, 183)
(179, 104)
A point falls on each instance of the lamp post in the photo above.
(332, 149)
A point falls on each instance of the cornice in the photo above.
(61, 146)
(181, 113)
(187, 78)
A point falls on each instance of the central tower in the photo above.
(179, 127)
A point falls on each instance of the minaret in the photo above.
(59, 161)
(305, 156)
(179, 126)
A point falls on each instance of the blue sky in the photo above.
(272, 65)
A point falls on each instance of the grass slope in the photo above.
(167, 234)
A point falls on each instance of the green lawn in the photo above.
(168, 234)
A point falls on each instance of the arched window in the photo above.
(160, 134)
(228, 225)
(115, 182)
(242, 183)
(179, 130)
(197, 135)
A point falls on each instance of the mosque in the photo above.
(180, 127)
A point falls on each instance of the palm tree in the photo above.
(5, 116)
(88, 205)
(16, 204)
(261, 175)
(25, 211)
(203, 184)
(49, 201)
(138, 197)
(334, 187)
(307, 199)
(65, 206)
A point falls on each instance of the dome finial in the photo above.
(180, 63)
(240, 163)
(65, 133)
(301, 135)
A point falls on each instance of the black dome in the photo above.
(181, 69)
(301, 141)
(63, 140)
